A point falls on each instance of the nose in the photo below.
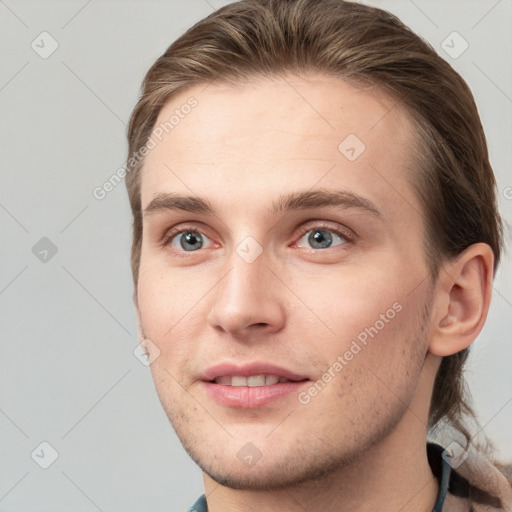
(247, 302)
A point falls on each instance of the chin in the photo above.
(255, 479)
(279, 471)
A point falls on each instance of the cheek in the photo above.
(366, 330)
(347, 305)
(172, 310)
(371, 369)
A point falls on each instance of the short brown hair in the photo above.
(363, 45)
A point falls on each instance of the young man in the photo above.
(315, 239)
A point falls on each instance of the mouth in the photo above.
(252, 385)
(252, 381)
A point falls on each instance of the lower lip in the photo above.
(245, 397)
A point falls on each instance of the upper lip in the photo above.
(256, 368)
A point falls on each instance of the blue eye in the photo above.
(321, 238)
(188, 240)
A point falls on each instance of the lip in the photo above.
(245, 397)
(246, 370)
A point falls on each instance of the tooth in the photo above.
(256, 380)
(238, 381)
(251, 381)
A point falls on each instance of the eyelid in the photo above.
(181, 228)
(345, 233)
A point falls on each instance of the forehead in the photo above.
(247, 143)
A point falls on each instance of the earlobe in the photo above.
(463, 295)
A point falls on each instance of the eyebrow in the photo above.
(300, 200)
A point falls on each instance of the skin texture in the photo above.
(359, 444)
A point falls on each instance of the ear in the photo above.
(462, 298)
(140, 328)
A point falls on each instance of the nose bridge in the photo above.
(245, 282)
(245, 296)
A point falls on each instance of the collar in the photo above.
(439, 461)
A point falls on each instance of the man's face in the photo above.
(330, 293)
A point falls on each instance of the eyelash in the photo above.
(171, 234)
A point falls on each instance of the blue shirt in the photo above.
(439, 461)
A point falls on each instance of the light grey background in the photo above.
(68, 375)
